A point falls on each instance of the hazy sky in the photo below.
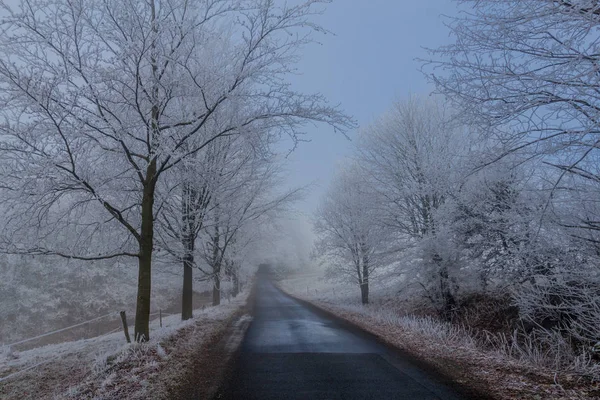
(368, 64)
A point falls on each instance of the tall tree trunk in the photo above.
(448, 300)
(188, 241)
(187, 295)
(217, 260)
(216, 290)
(236, 282)
(364, 283)
(142, 314)
(364, 287)
(364, 291)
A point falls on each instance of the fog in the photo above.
(183, 182)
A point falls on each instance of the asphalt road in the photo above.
(294, 352)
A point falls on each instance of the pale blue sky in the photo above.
(368, 64)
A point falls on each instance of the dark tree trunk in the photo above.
(217, 260)
(448, 300)
(146, 240)
(364, 287)
(142, 314)
(187, 300)
(189, 242)
(236, 283)
(216, 290)
(364, 292)
(231, 271)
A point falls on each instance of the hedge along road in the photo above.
(292, 351)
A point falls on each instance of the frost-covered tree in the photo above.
(409, 155)
(100, 100)
(246, 199)
(183, 214)
(413, 157)
(350, 240)
(527, 70)
(494, 217)
(234, 186)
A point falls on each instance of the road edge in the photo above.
(229, 367)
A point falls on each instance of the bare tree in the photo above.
(413, 157)
(232, 185)
(349, 239)
(182, 215)
(247, 198)
(99, 100)
(408, 155)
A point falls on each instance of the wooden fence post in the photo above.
(125, 329)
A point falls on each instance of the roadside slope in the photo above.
(183, 358)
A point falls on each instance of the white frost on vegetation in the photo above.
(92, 358)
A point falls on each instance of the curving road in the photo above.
(292, 352)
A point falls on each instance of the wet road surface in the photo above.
(292, 352)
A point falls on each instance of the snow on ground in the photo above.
(81, 368)
(13, 360)
(449, 348)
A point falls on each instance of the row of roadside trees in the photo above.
(143, 128)
(491, 186)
